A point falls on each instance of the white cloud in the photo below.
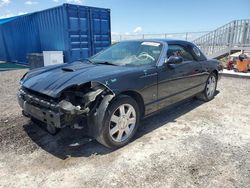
(80, 2)
(56, 1)
(4, 2)
(137, 30)
(31, 2)
(21, 13)
(9, 14)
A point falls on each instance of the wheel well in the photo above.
(216, 73)
(138, 98)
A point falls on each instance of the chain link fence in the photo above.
(189, 36)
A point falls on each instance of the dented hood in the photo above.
(53, 80)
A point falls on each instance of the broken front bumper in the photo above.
(40, 109)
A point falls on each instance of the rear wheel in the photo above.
(209, 91)
(120, 122)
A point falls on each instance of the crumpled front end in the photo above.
(72, 108)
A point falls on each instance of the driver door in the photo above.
(177, 81)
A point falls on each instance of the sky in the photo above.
(149, 16)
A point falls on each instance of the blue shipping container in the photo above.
(78, 31)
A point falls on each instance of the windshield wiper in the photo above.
(106, 63)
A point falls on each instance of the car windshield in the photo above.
(130, 53)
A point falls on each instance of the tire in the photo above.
(210, 89)
(119, 126)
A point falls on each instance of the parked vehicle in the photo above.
(108, 94)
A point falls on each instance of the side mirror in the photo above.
(174, 60)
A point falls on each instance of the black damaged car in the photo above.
(107, 94)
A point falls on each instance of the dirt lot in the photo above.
(193, 145)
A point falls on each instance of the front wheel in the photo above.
(209, 91)
(120, 122)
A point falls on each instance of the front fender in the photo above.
(95, 121)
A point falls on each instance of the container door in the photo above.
(78, 23)
(100, 29)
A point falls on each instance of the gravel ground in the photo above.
(195, 144)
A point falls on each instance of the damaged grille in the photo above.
(71, 108)
(42, 108)
(38, 100)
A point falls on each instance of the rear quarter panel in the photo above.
(209, 66)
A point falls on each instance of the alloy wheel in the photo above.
(211, 86)
(122, 122)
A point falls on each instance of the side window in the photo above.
(177, 50)
(199, 56)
